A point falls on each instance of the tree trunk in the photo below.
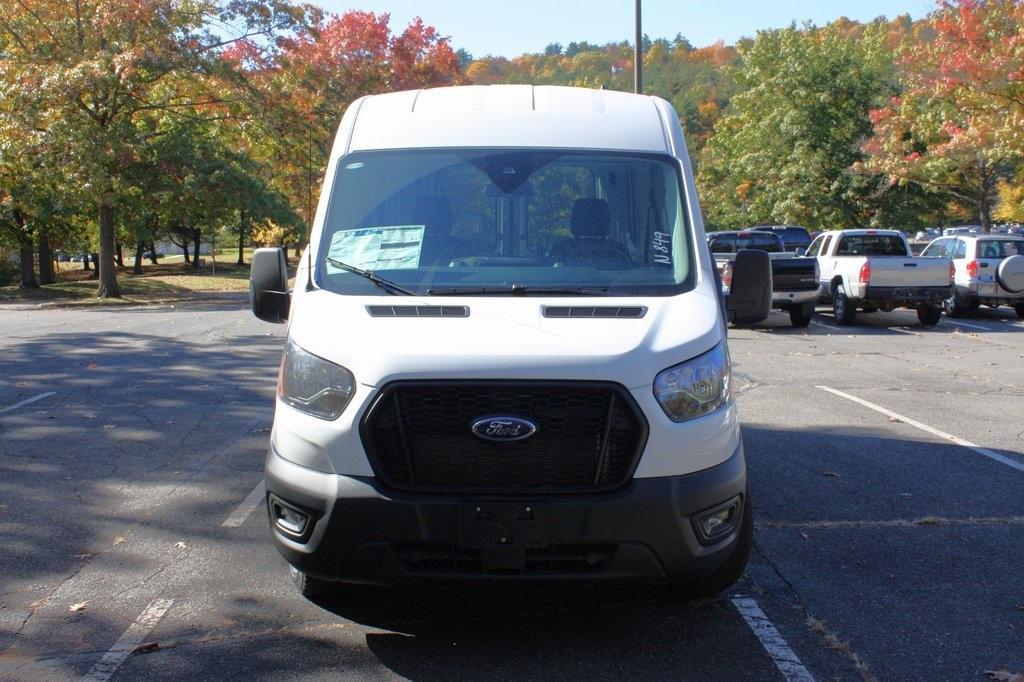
(28, 266)
(197, 236)
(152, 253)
(94, 258)
(241, 239)
(985, 198)
(85, 261)
(298, 250)
(120, 254)
(107, 274)
(137, 267)
(46, 274)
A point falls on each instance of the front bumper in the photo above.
(364, 533)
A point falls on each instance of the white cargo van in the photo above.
(506, 355)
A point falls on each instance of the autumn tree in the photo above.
(302, 86)
(86, 71)
(958, 125)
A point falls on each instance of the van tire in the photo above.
(845, 312)
(929, 315)
(731, 570)
(310, 587)
(800, 315)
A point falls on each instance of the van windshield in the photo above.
(507, 222)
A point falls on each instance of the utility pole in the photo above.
(638, 55)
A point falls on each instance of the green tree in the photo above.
(786, 149)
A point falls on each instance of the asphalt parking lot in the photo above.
(887, 472)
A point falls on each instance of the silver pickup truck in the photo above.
(873, 270)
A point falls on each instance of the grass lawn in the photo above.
(166, 280)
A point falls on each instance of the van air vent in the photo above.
(417, 310)
(594, 311)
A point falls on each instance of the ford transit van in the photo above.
(506, 354)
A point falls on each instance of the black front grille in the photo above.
(419, 436)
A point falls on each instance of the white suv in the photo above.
(989, 270)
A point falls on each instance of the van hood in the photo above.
(505, 337)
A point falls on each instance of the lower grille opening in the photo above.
(555, 560)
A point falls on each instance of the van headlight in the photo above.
(313, 385)
(696, 387)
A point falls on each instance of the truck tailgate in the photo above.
(899, 271)
(794, 274)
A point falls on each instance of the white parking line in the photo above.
(1012, 463)
(132, 637)
(28, 401)
(853, 330)
(242, 511)
(958, 323)
(786, 661)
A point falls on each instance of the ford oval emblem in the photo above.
(504, 429)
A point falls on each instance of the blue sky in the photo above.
(511, 27)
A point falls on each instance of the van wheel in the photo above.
(929, 315)
(1020, 310)
(800, 315)
(731, 570)
(844, 311)
(310, 587)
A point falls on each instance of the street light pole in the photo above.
(638, 55)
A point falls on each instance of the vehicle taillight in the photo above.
(952, 272)
(727, 276)
(972, 269)
(865, 272)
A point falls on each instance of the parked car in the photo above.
(989, 271)
(873, 270)
(793, 238)
(541, 393)
(794, 279)
(950, 231)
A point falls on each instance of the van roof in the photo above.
(509, 116)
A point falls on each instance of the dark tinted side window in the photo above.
(826, 244)
(961, 249)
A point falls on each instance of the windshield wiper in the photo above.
(383, 283)
(518, 290)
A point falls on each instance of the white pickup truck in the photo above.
(873, 270)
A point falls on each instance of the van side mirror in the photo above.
(268, 285)
(750, 296)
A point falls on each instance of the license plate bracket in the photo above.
(509, 525)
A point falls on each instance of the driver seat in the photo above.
(590, 225)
